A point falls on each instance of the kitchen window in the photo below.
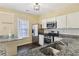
(23, 28)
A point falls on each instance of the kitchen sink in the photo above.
(45, 50)
(58, 45)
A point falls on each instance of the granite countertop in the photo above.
(10, 39)
(34, 52)
(7, 40)
(72, 49)
(68, 35)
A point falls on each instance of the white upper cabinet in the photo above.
(73, 20)
(61, 21)
(6, 17)
(7, 22)
(44, 23)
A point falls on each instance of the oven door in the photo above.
(47, 39)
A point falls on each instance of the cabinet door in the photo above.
(73, 20)
(7, 23)
(44, 24)
(41, 39)
(7, 29)
(61, 21)
(6, 17)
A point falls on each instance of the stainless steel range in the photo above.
(50, 36)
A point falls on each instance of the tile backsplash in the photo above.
(7, 36)
(73, 31)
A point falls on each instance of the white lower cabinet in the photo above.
(41, 39)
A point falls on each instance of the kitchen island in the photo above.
(8, 47)
(71, 49)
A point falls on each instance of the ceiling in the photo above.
(28, 7)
